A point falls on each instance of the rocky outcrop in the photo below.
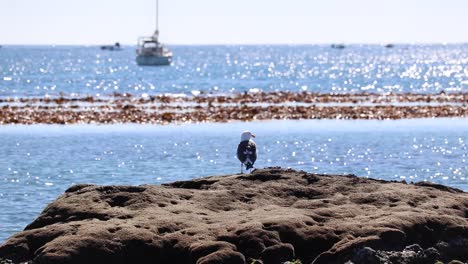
(272, 215)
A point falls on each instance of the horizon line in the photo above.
(241, 44)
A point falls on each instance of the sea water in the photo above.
(52, 70)
(39, 162)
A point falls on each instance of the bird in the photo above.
(247, 151)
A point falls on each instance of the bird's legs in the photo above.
(242, 168)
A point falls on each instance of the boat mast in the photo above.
(156, 33)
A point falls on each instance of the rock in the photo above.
(412, 254)
(414, 248)
(432, 255)
(456, 262)
(456, 248)
(222, 256)
(366, 255)
(270, 216)
(278, 254)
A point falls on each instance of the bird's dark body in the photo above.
(247, 153)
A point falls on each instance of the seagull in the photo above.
(247, 150)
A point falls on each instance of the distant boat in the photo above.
(116, 46)
(151, 52)
(389, 45)
(338, 46)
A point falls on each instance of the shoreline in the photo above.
(332, 125)
(164, 109)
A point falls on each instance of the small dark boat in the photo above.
(116, 46)
(338, 46)
(390, 45)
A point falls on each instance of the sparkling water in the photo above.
(42, 70)
(39, 162)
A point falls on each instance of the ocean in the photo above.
(49, 70)
(39, 162)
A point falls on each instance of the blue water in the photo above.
(41, 70)
(38, 163)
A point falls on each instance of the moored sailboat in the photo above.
(151, 52)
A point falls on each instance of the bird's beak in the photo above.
(253, 135)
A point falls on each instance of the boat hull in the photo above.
(150, 60)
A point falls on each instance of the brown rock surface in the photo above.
(272, 215)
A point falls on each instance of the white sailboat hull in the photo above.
(152, 60)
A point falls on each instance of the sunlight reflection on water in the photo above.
(39, 162)
(224, 69)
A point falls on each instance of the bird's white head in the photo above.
(246, 136)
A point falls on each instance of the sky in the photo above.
(96, 22)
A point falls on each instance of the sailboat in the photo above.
(151, 52)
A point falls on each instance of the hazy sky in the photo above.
(234, 21)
